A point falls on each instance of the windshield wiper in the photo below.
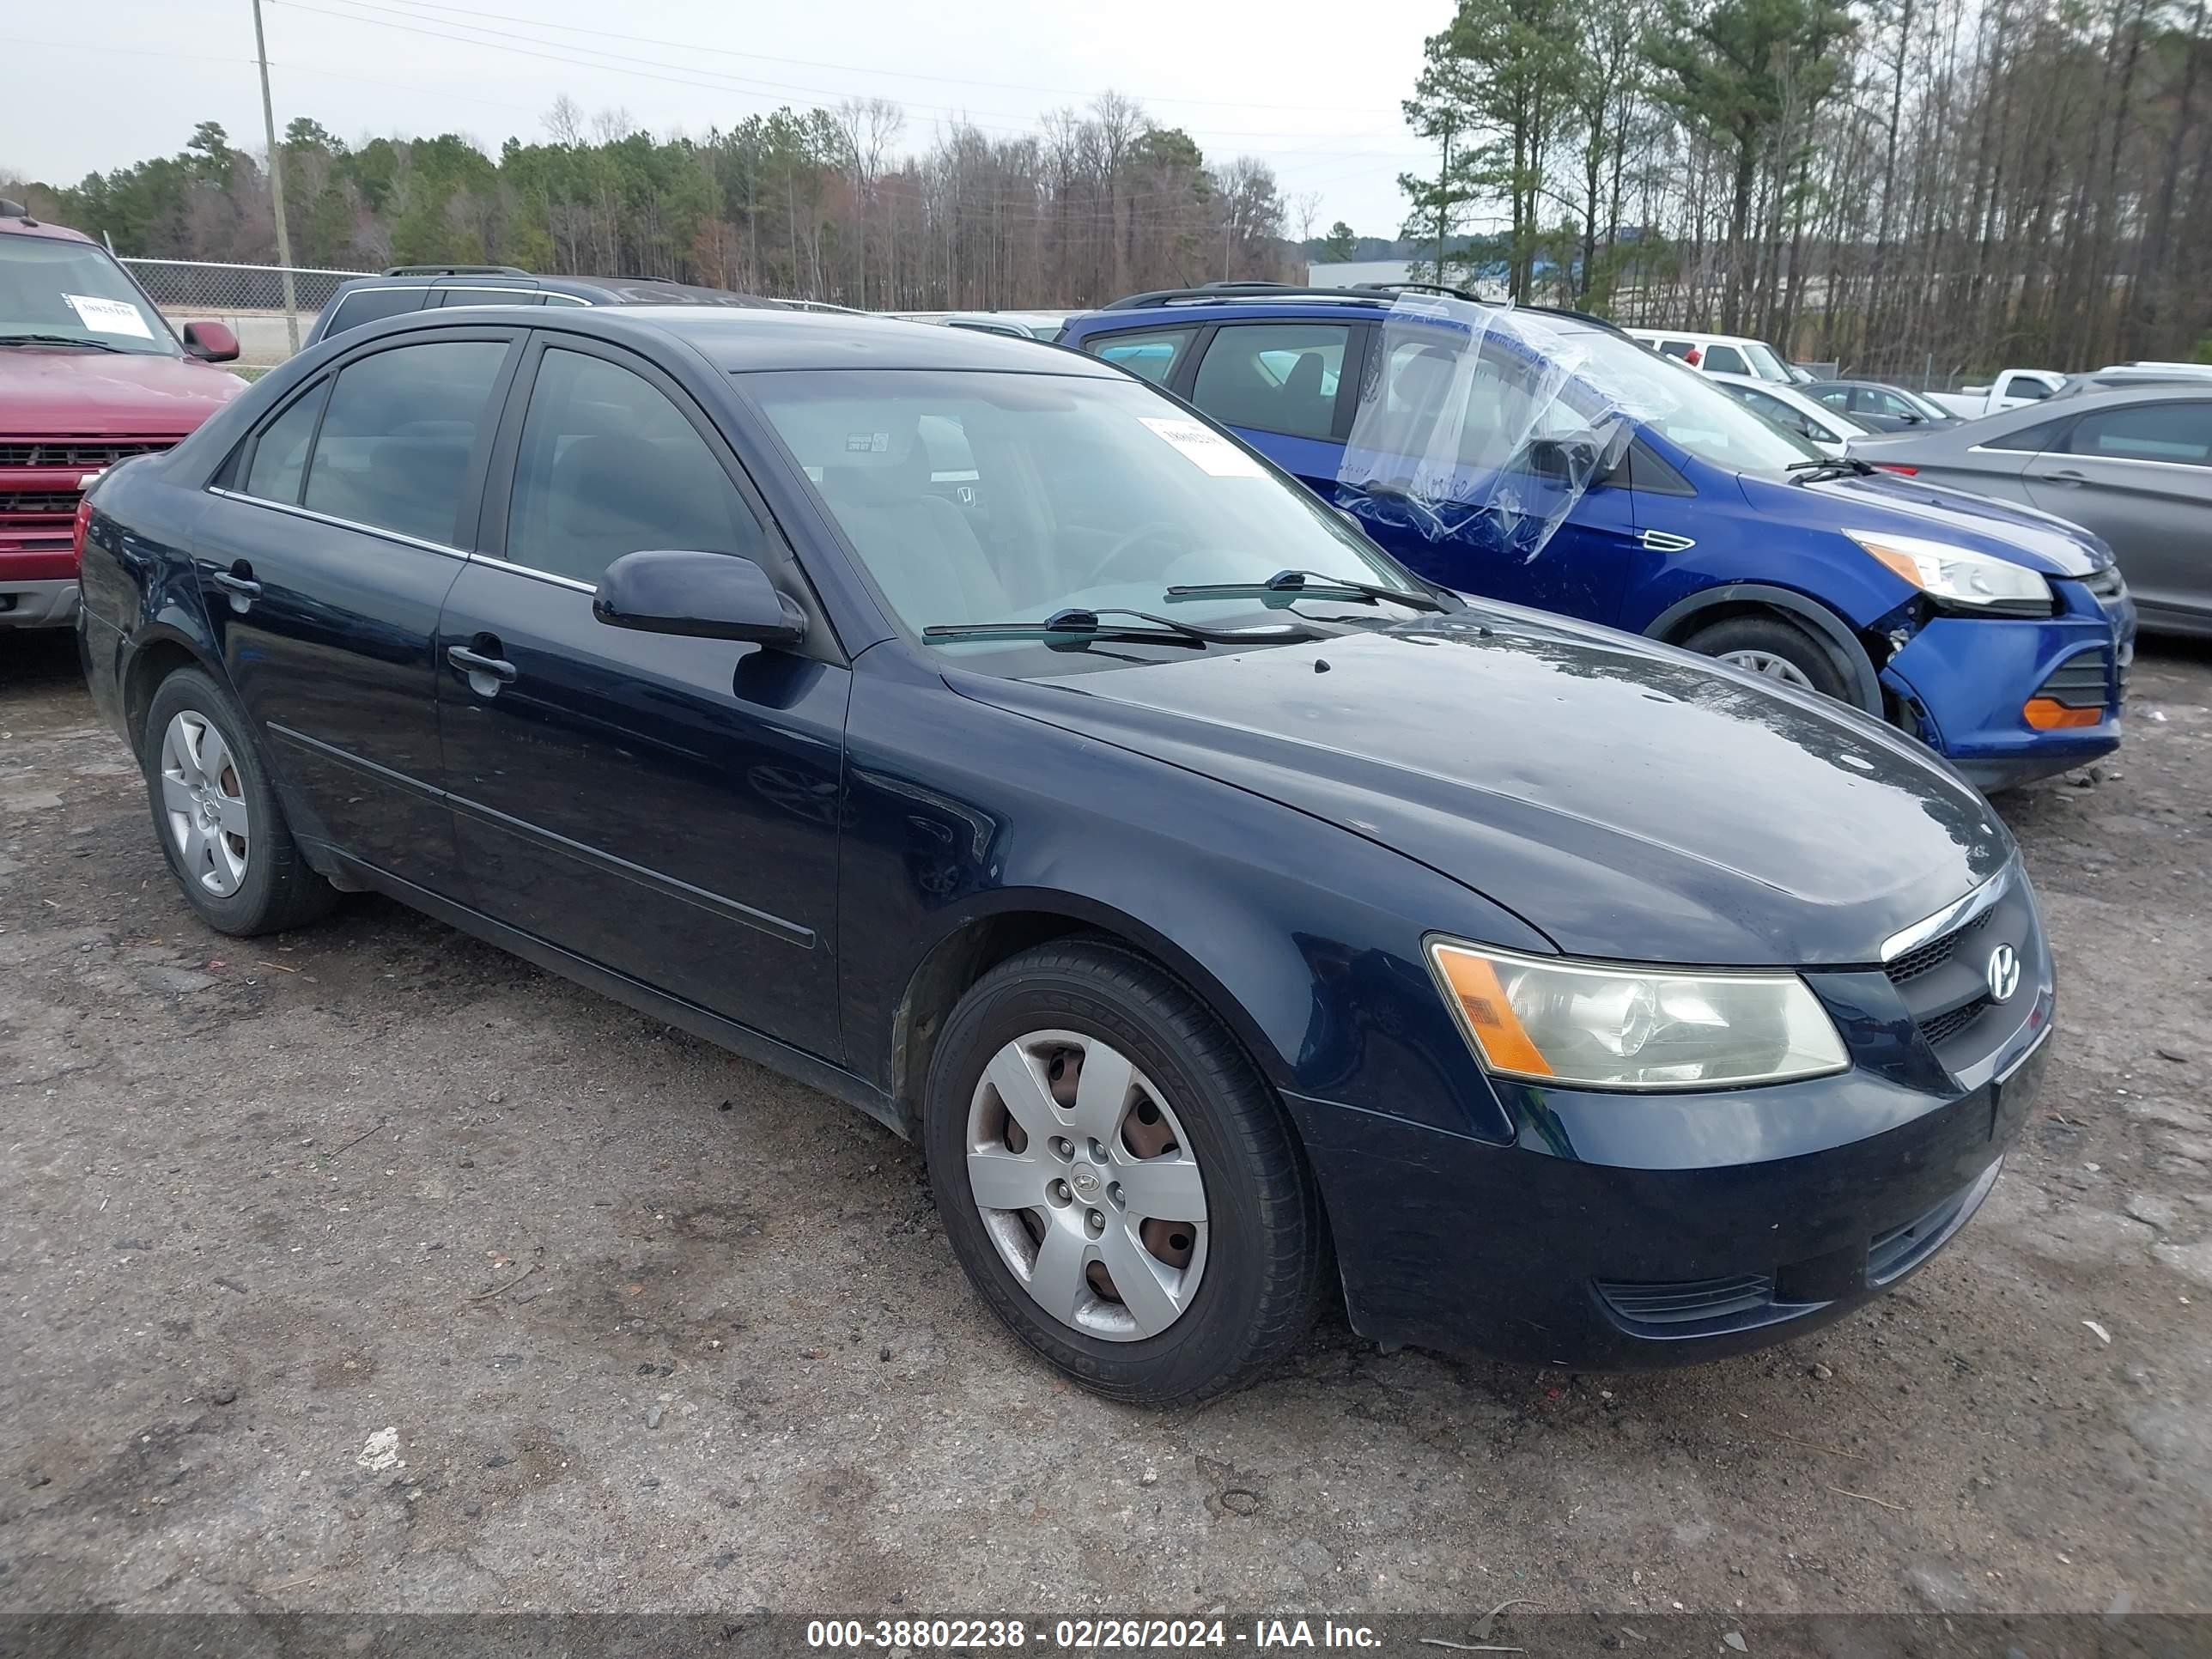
(1830, 466)
(57, 339)
(1294, 583)
(1079, 624)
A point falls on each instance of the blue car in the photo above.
(1237, 921)
(1594, 478)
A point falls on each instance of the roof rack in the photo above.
(455, 270)
(1372, 293)
(1229, 293)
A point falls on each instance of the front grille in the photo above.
(39, 503)
(2083, 681)
(1944, 984)
(1943, 1027)
(1934, 954)
(1688, 1302)
(78, 452)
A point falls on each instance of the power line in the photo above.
(862, 69)
(658, 69)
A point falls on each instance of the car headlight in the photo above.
(1591, 1026)
(1959, 575)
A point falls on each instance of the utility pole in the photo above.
(276, 184)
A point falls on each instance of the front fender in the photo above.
(1304, 939)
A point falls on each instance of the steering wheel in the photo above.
(1102, 573)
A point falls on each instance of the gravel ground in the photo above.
(368, 1268)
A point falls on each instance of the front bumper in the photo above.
(41, 603)
(1622, 1232)
(1967, 682)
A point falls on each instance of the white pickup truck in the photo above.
(2010, 390)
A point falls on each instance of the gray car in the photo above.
(2134, 465)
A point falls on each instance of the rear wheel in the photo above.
(1774, 649)
(1120, 1185)
(216, 814)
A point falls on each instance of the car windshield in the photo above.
(978, 497)
(1922, 407)
(75, 291)
(1763, 363)
(1682, 405)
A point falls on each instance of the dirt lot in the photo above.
(369, 1269)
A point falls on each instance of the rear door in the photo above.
(322, 559)
(2141, 477)
(667, 807)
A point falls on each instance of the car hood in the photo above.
(1909, 507)
(48, 392)
(1629, 800)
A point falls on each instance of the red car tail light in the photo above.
(80, 528)
(1898, 467)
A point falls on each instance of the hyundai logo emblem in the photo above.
(2004, 973)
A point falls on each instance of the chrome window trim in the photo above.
(337, 523)
(1954, 914)
(405, 540)
(533, 573)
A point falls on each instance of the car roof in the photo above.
(743, 339)
(26, 226)
(622, 290)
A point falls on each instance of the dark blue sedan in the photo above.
(971, 732)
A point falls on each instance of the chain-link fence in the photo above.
(249, 298)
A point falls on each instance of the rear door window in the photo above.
(397, 435)
(280, 454)
(1151, 354)
(373, 305)
(1725, 359)
(1273, 377)
(2178, 433)
(1676, 349)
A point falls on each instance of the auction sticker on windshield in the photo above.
(108, 316)
(1208, 450)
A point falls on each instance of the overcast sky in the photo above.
(1313, 89)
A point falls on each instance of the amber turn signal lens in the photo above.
(1489, 1015)
(2048, 714)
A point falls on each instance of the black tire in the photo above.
(1267, 1255)
(1774, 636)
(278, 890)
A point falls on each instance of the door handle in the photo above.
(486, 673)
(238, 582)
(2067, 476)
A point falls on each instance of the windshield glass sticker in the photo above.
(1208, 450)
(109, 316)
(868, 443)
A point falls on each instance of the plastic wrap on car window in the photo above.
(1484, 425)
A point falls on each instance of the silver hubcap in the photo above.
(1766, 663)
(204, 799)
(1087, 1185)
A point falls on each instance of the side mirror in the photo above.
(211, 342)
(1567, 462)
(708, 596)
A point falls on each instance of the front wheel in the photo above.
(1120, 1185)
(216, 814)
(1776, 650)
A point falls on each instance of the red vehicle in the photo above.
(90, 375)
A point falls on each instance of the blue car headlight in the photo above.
(1960, 576)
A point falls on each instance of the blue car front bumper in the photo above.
(1969, 681)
